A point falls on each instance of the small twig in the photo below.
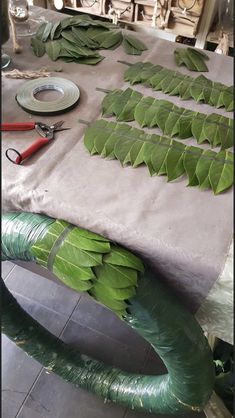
(84, 122)
(16, 46)
(103, 90)
(17, 74)
(124, 62)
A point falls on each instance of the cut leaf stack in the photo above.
(128, 105)
(162, 155)
(88, 262)
(192, 58)
(77, 39)
(175, 83)
(133, 46)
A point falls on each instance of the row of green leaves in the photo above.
(88, 262)
(128, 105)
(175, 83)
(192, 58)
(76, 39)
(162, 155)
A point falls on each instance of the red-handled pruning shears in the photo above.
(46, 132)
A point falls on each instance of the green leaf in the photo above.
(175, 83)
(162, 155)
(82, 258)
(136, 43)
(137, 153)
(159, 156)
(144, 112)
(193, 59)
(149, 149)
(227, 99)
(191, 157)
(66, 58)
(174, 162)
(76, 239)
(77, 257)
(70, 281)
(111, 40)
(71, 271)
(40, 31)
(129, 105)
(89, 60)
(124, 105)
(95, 32)
(53, 49)
(69, 36)
(89, 235)
(200, 53)
(55, 31)
(84, 40)
(221, 174)
(76, 50)
(117, 277)
(203, 167)
(116, 294)
(121, 257)
(201, 89)
(67, 22)
(38, 47)
(129, 49)
(46, 32)
(113, 304)
(108, 102)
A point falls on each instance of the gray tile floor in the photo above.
(28, 391)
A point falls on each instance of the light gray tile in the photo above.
(51, 320)
(19, 372)
(7, 267)
(47, 293)
(103, 348)
(91, 314)
(153, 365)
(52, 397)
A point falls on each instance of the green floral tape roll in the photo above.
(25, 96)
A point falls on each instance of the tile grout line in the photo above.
(9, 273)
(125, 413)
(29, 392)
(38, 303)
(66, 323)
(102, 333)
(141, 370)
(41, 370)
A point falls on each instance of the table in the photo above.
(183, 233)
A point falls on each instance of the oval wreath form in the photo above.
(115, 277)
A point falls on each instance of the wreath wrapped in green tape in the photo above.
(118, 279)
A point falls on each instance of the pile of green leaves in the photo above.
(128, 105)
(174, 83)
(162, 155)
(88, 262)
(192, 58)
(77, 39)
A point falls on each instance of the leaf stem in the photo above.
(103, 90)
(84, 122)
(125, 62)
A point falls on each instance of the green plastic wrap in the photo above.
(153, 312)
